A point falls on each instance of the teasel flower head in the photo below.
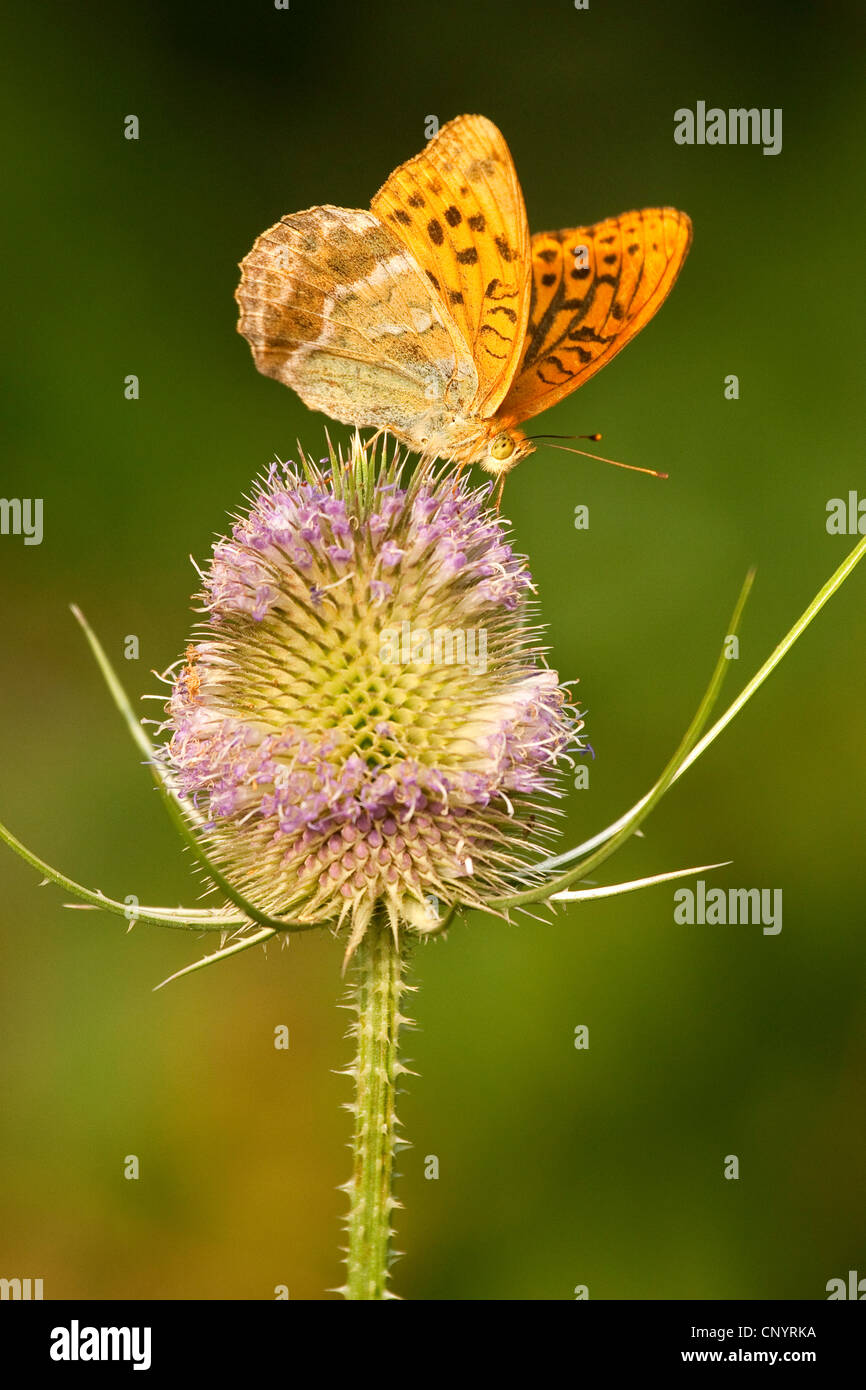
(365, 720)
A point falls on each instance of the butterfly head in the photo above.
(502, 450)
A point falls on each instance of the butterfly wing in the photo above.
(593, 289)
(459, 209)
(333, 305)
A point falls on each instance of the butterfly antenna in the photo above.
(632, 467)
(596, 438)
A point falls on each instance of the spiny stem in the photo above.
(379, 984)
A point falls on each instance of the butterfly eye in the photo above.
(502, 447)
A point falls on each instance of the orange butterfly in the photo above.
(436, 316)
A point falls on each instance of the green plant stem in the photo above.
(379, 984)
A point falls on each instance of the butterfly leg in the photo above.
(500, 491)
(371, 443)
(457, 472)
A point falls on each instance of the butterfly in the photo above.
(436, 316)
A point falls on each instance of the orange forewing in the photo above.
(593, 289)
(458, 207)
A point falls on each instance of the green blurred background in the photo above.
(557, 1167)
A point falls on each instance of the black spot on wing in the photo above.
(585, 334)
(488, 328)
(573, 331)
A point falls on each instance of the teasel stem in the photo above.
(376, 994)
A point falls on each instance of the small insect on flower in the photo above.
(366, 720)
